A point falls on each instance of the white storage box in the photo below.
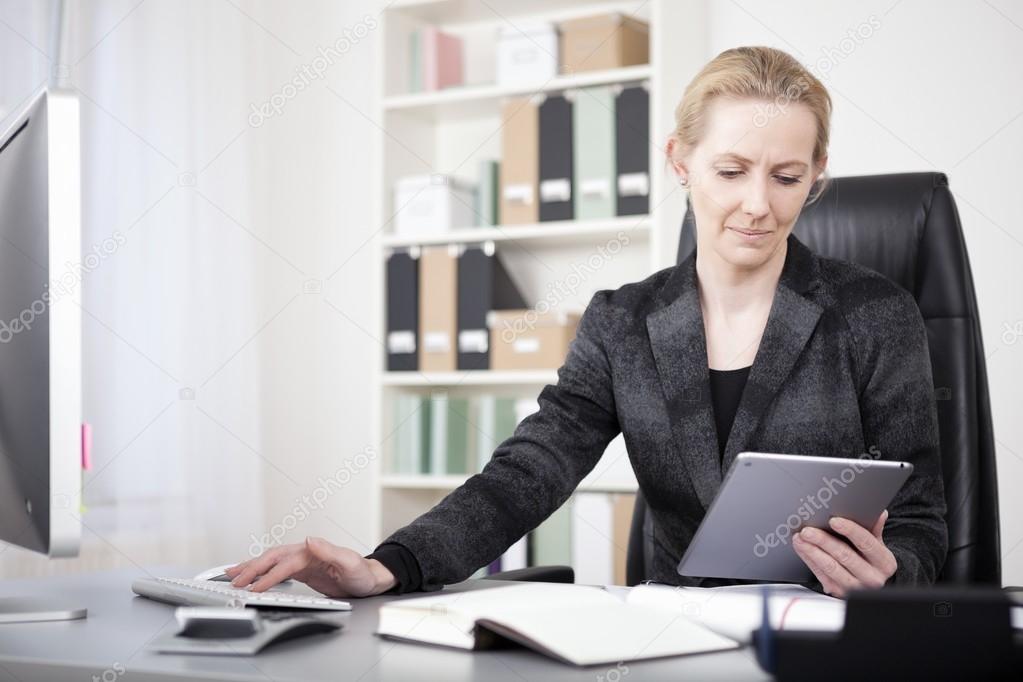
(527, 55)
(430, 204)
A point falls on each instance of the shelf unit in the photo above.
(470, 101)
(448, 132)
(488, 378)
(447, 483)
(538, 235)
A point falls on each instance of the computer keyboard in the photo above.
(190, 592)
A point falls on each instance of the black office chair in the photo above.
(906, 227)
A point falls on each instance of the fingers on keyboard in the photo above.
(280, 572)
(258, 566)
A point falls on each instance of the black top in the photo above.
(402, 563)
(725, 391)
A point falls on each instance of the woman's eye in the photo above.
(783, 179)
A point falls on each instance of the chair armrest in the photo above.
(537, 574)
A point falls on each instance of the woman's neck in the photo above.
(728, 290)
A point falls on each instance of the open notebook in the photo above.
(577, 624)
(735, 610)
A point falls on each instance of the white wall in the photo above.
(935, 87)
(208, 291)
(224, 350)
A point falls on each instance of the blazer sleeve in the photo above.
(899, 417)
(531, 474)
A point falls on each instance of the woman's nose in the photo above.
(755, 202)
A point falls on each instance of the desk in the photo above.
(110, 645)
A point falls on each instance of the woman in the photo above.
(752, 343)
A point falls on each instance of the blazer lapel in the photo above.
(790, 324)
(679, 347)
(680, 352)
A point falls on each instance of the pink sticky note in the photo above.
(86, 446)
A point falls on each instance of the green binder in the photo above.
(487, 194)
(593, 149)
(425, 422)
(551, 542)
(415, 75)
(405, 443)
(458, 436)
(496, 422)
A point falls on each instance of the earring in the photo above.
(684, 181)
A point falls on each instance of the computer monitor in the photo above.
(40, 338)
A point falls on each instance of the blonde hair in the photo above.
(761, 73)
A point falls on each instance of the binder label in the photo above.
(401, 342)
(559, 189)
(522, 194)
(526, 345)
(473, 341)
(633, 185)
(596, 188)
(436, 342)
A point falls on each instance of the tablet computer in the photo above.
(766, 498)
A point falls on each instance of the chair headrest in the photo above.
(902, 225)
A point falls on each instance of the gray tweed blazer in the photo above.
(842, 369)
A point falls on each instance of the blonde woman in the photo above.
(752, 343)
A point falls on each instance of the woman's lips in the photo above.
(749, 235)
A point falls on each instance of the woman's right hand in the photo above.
(337, 572)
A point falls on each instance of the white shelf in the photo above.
(554, 233)
(473, 101)
(538, 377)
(450, 482)
(455, 14)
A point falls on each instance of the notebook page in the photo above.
(735, 611)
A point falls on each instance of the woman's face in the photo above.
(749, 178)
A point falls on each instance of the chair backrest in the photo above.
(906, 227)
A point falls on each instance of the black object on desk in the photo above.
(903, 633)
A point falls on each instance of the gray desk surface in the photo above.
(110, 645)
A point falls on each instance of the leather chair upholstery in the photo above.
(906, 227)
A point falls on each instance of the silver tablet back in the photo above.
(765, 498)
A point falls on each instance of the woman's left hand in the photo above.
(863, 562)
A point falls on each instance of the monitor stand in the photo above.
(35, 609)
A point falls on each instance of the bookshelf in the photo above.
(449, 131)
(537, 235)
(472, 101)
(488, 378)
(447, 483)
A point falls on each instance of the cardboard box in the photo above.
(438, 321)
(604, 41)
(520, 161)
(526, 339)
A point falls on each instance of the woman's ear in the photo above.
(821, 167)
(671, 151)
